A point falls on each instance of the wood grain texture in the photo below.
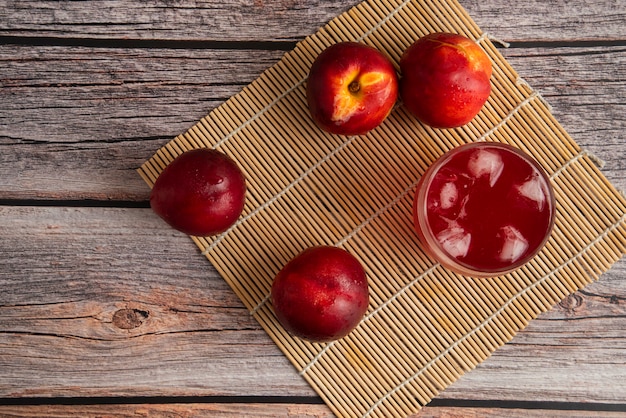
(230, 20)
(216, 410)
(65, 272)
(464, 412)
(257, 410)
(77, 122)
(81, 134)
(205, 20)
(63, 281)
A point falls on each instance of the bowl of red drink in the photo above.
(484, 209)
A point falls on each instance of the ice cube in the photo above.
(448, 196)
(514, 244)
(455, 240)
(534, 190)
(485, 163)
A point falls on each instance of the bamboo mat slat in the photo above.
(425, 326)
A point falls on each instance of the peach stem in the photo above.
(354, 87)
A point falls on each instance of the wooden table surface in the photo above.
(105, 310)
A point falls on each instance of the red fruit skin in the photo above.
(351, 88)
(201, 193)
(445, 79)
(321, 294)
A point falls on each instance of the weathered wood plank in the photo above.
(540, 21)
(463, 412)
(76, 122)
(99, 302)
(225, 410)
(217, 410)
(132, 305)
(231, 20)
(68, 94)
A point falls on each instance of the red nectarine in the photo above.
(321, 294)
(445, 79)
(351, 88)
(201, 192)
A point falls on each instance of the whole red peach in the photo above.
(321, 294)
(201, 192)
(351, 88)
(445, 79)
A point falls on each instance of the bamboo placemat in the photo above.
(425, 326)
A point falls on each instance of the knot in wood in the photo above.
(129, 318)
(572, 302)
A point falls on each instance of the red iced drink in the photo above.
(484, 209)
